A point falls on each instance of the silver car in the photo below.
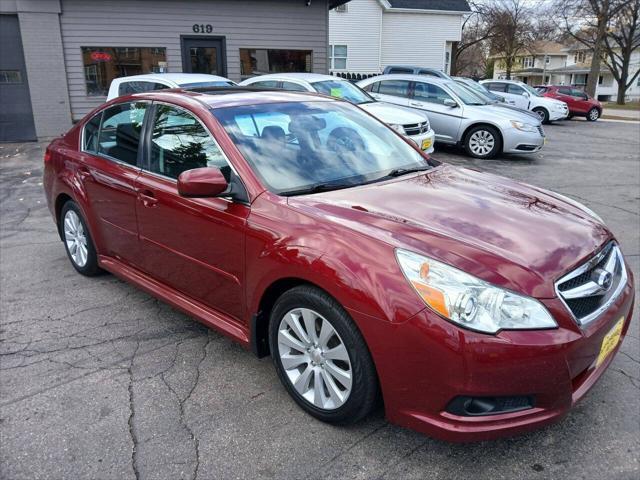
(460, 117)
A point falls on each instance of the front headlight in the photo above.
(469, 301)
(398, 128)
(524, 127)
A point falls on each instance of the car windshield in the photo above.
(343, 89)
(306, 147)
(464, 93)
(531, 90)
(479, 90)
(215, 83)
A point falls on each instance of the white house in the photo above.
(557, 64)
(367, 35)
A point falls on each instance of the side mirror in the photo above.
(202, 182)
(448, 102)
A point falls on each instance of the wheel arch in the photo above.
(61, 199)
(483, 124)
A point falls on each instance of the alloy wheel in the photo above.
(593, 115)
(481, 143)
(75, 238)
(314, 358)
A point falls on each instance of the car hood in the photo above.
(504, 112)
(510, 234)
(392, 114)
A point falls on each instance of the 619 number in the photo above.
(202, 28)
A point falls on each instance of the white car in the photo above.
(413, 125)
(159, 81)
(523, 96)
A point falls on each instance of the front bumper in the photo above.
(517, 141)
(426, 362)
(429, 136)
(559, 114)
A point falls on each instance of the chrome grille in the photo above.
(416, 128)
(591, 288)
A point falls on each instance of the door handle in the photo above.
(147, 198)
(84, 173)
(416, 104)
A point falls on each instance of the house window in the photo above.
(342, 8)
(103, 64)
(528, 62)
(600, 80)
(338, 57)
(447, 61)
(579, 57)
(547, 59)
(257, 61)
(580, 79)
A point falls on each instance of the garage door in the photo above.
(16, 117)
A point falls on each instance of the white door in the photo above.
(500, 88)
(519, 95)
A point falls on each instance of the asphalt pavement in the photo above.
(98, 380)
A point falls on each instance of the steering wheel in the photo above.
(345, 140)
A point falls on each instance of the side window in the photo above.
(372, 87)
(264, 84)
(426, 92)
(515, 89)
(427, 72)
(179, 143)
(294, 87)
(90, 135)
(564, 91)
(400, 70)
(496, 87)
(120, 132)
(397, 88)
(127, 88)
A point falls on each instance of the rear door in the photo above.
(110, 157)
(445, 120)
(519, 96)
(194, 245)
(500, 88)
(580, 101)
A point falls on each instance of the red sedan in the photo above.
(304, 228)
(580, 104)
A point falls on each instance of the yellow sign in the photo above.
(610, 341)
(426, 143)
(336, 92)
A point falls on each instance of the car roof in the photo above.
(177, 78)
(224, 97)
(409, 77)
(307, 77)
(499, 80)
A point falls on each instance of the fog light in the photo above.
(476, 406)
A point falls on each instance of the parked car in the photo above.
(527, 98)
(580, 104)
(458, 116)
(481, 90)
(477, 306)
(413, 70)
(411, 124)
(160, 81)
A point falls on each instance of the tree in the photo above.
(587, 21)
(512, 30)
(476, 30)
(622, 39)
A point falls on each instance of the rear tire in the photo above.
(321, 357)
(593, 115)
(483, 142)
(77, 240)
(543, 114)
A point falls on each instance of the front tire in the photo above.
(483, 142)
(77, 240)
(593, 115)
(321, 357)
(543, 114)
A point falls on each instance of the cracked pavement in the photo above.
(98, 380)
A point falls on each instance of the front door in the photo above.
(204, 55)
(16, 117)
(195, 245)
(445, 120)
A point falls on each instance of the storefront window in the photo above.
(103, 64)
(260, 61)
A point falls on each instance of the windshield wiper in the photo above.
(397, 172)
(317, 188)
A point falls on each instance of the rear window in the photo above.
(217, 83)
(400, 70)
(119, 135)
